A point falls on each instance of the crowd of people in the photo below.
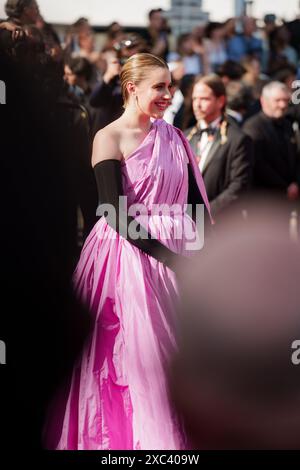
(232, 97)
(241, 55)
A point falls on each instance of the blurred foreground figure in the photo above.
(233, 378)
(42, 174)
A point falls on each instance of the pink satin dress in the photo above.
(118, 394)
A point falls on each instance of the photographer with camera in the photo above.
(156, 35)
(107, 95)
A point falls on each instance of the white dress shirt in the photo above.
(206, 141)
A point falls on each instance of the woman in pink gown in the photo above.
(118, 396)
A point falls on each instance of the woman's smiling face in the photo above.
(153, 94)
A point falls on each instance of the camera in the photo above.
(129, 46)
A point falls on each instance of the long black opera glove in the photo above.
(109, 182)
(194, 195)
(194, 198)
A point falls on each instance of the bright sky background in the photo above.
(134, 12)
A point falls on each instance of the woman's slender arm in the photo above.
(108, 175)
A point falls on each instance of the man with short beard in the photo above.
(223, 151)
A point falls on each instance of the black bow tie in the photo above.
(208, 131)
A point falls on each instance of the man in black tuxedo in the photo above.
(276, 164)
(223, 151)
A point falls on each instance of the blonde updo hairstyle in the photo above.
(136, 69)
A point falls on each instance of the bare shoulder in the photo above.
(106, 145)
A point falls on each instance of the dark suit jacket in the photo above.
(227, 172)
(276, 162)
